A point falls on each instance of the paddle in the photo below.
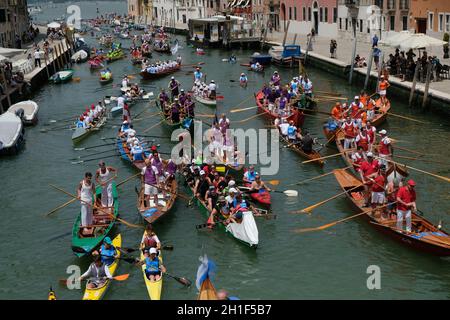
(406, 118)
(318, 177)
(184, 281)
(121, 277)
(289, 193)
(311, 208)
(106, 212)
(131, 250)
(326, 157)
(243, 109)
(73, 200)
(328, 225)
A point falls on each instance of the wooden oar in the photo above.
(321, 158)
(407, 118)
(311, 208)
(328, 225)
(412, 151)
(184, 281)
(418, 159)
(100, 209)
(93, 159)
(249, 118)
(155, 125)
(244, 101)
(315, 178)
(93, 154)
(121, 277)
(243, 109)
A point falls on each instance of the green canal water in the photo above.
(35, 250)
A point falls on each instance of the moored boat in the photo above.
(30, 109)
(80, 56)
(425, 236)
(61, 76)
(87, 239)
(99, 292)
(11, 133)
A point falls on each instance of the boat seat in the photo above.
(357, 196)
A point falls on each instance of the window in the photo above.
(321, 14)
(184, 18)
(447, 22)
(326, 15)
(295, 13)
(290, 13)
(392, 23)
(335, 14)
(441, 22)
(405, 22)
(304, 14)
(430, 20)
(340, 23)
(309, 14)
(346, 23)
(360, 25)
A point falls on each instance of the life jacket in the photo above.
(149, 242)
(151, 265)
(383, 85)
(108, 254)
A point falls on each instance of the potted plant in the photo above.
(446, 49)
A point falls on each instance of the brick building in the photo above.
(431, 17)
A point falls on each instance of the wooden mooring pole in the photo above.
(427, 85)
(413, 87)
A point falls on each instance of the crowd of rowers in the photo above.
(131, 91)
(202, 89)
(179, 105)
(161, 66)
(91, 115)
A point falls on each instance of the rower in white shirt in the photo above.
(125, 81)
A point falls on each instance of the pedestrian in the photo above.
(310, 46)
(37, 58)
(374, 41)
(376, 56)
(313, 35)
(333, 48)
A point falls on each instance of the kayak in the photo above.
(98, 293)
(84, 244)
(105, 77)
(154, 288)
(263, 196)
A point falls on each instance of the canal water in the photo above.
(318, 265)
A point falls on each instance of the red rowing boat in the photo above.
(149, 76)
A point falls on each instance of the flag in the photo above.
(205, 270)
(174, 50)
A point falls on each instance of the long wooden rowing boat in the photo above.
(99, 293)
(169, 123)
(206, 101)
(310, 156)
(125, 153)
(392, 171)
(84, 243)
(80, 132)
(207, 291)
(424, 236)
(154, 212)
(163, 50)
(380, 116)
(149, 76)
(295, 116)
(245, 232)
(154, 288)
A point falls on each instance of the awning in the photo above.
(9, 52)
(54, 25)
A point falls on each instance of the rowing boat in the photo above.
(310, 156)
(424, 236)
(130, 101)
(206, 101)
(81, 132)
(61, 76)
(30, 111)
(115, 55)
(84, 242)
(99, 293)
(105, 77)
(207, 291)
(125, 153)
(380, 116)
(150, 76)
(392, 171)
(245, 232)
(165, 49)
(152, 213)
(167, 120)
(154, 288)
(295, 115)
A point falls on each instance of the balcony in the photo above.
(390, 5)
(404, 4)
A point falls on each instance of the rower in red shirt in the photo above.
(358, 157)
(362, 140)
(368, 170)
(349, 129)
(378, 196)
(371, 133)
(406, 201)
(385, 148)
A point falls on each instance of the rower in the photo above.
(153, 266)
(307, 86)
(182, 97)
(125, 126)
(198, 75)
(243, 78)
(126, 113)
(383, 86)
(378, 197)
(85, 192)
(370, 109)
(175, 111)
(212, 90)
(97, 274)
(157, 163)
(362, 140)
(356, 108)
(211, 197)
(137, 151)
(368, 170)
(107, 252)
(80, 122)
(237, 212)
(190, 107)
(250, 175)
(284, 125)
(385, 149)
(406, 202)
(150, 239)
(371, 133)
(125, 81)
(120, 101)
(349, 129)
(292, 132)
(174, 87)
(259, 185)
(358, 157)
(275, 78)
(149, 179)
(307, 142)
(104, 177)
(163, 98)
(294, 85)
(337, 112)
(224, 123)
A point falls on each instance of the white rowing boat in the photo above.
(81, 132)
(206, 101)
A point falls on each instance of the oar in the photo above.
(121, 277)
(131, 250)
(328, 225)
(93, 159)
(407, 118)
(106, 212)
(289, 193)
(243, 109)
(94, 154)
(250, 118)
(326, 157)
(409, 150)
(96, 146)
(417, 159)
(318, 177)
(274, 182)
(311, 208)
(155, 125)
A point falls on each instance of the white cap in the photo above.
(383, 131)
(153, 250)
(242, 74)
(356, 97)
(382, 76)
(136, 143)
(231, 183)
(369, 154)
(131, 134)
(182, 90)
(232, 190)
(212, 81)
(125, 121)
(202, 172)
(173, 78)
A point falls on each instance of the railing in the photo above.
(404, 4)
(391, 5)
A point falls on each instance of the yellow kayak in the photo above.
(154, 288)
(98, 293)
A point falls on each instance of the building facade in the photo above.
(431, 17)
(320, 15)
(14, 21)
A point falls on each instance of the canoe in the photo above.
(245, 232)
(153, 213)
(207, 291)
(61, 76)
(105, 80)
(102, 224)
(30, 110)
(297, 149)
(295, 116)
(379, 118)
(12, 133)
(125, 153)
(424, 237)
(393, 171)
(95, 64)
(81, 133)
(149, 76)
(206, 101)
(154, 288)
(99, 293)
(262, 197)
